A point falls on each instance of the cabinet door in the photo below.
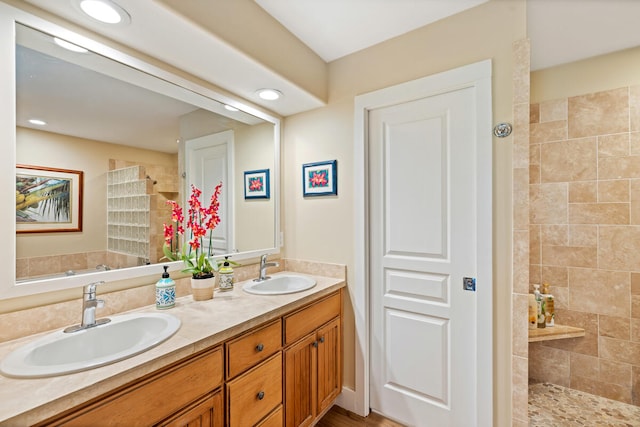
(300, 382)
(329, 368)
(206, 412)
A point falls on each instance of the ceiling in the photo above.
(560, 31)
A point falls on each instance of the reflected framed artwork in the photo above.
(256, 184)
(48, 200)
(320, 178)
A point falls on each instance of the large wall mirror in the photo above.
(135, 137)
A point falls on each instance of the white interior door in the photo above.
(209, 161)
(423, 196)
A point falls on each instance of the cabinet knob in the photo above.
(322, 339)
(261, 395)
(259, 347)
(315, 344)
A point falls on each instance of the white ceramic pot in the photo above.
(202, 289)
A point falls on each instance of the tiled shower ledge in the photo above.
(556, 332)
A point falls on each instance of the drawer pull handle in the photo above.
(322, 339)
(259, 347)
(261, 395)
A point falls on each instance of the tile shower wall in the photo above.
(585, 238)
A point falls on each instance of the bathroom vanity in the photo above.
(238, 360)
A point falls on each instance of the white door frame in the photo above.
(478, 76)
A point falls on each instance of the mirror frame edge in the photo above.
(9, 17)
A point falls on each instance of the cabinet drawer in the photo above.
(256, 393)
(151, 400)
(275, 419)
(252, 348)
(300, 323)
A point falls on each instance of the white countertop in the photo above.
(204, 324)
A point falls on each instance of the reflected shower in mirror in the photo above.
(139, 141)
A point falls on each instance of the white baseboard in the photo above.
(347, 400)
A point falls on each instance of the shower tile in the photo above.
(613, 145)
(615, 373)
(547, 132)
(584, 366)
(555, 276)
(619, 167)
(534, 113)
(519, 387)
(613, 191)
(634, 107)
(583, 235)
(553, 110)
(534, 245)
(548, 204)
(548, 364)
(635, 306)
(521, 262)
(599, 213)
(635, 330)
(557, 235)
(561, 295)
(615, 327)
(535, 275)
(571, 160)
(519, 327)
(635, 283)
(583, 192)
(570, 256)
(607, 390)
(600, 113)
(617, 247)
(599, 291)
(634, 195)
(634, 143)
(619, 350)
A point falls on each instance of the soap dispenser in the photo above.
(540, 307)
(165, 291)
(549, 305)
(226, 276)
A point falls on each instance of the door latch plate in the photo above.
(469, 284)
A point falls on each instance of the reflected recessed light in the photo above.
(230, 108)
(37, 122)
(104, 11)
(69, 46)
(269, 94)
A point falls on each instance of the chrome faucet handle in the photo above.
(91, 289)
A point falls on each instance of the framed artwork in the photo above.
(320, 178)
(48, 200)
(256, 184)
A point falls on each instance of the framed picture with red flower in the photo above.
(320, 178)
(256, 184)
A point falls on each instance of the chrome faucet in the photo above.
(89, 304)
(263, 268)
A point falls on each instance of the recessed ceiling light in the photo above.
(269, 94)
(37, 122)
(230, 108)
(104, 11)
(69, 46)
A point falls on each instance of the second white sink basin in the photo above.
(62, 353)
(280, 284)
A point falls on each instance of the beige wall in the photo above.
(322, 228)
(255, 218)
(585, 222)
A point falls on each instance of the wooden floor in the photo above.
(338, 417)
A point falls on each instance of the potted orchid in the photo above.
(197, 251)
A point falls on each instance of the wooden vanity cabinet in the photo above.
(184, 391)
(312, 362)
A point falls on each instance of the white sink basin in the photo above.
(280, 284)
(62, 353)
